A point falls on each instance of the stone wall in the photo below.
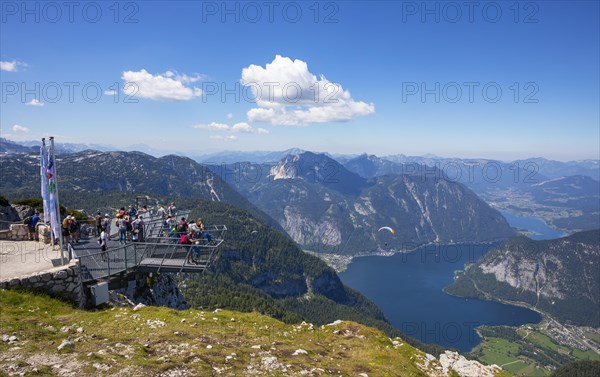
(63, 282)
(16, 232)
(44, 233)
(20, 232)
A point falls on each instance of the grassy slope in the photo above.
(120, 341)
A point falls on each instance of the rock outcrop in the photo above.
(150, 289)
(452, 361)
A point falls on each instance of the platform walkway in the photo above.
(158, 252)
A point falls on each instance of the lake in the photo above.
(408, 289)
(535, 224)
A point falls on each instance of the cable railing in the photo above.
(5, 225)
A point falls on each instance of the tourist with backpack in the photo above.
(32, 223)
(186, 240)
(182, 226)
(74, 228)
(138, 229)
(172, 210)
(132, 212)
(122, 224)
(65, 227)
(98, 223)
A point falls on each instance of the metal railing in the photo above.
(5, 225)
(157, 253)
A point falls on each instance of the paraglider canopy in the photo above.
(388, 229)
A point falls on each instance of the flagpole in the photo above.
(44, 177)
(57, 209)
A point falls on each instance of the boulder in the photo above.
(66, 345)
(23, 211)
(9, 214)
(466, 368)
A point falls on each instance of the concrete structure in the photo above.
(63, 282)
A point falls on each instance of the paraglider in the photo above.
(388, 229)
(254, 232)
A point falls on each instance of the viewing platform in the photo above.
(158, 252)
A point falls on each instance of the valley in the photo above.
(333, 218)
(300, 188)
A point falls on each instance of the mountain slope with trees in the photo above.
(558, 276)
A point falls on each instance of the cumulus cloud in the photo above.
(34, 102)
(287, 93)
(18, 128)
(11, 66)
(168, 86)
(241, 127)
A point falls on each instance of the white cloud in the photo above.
(35, 102)
(229, 116)
(212, 126)
(168, 86)
(12, 66)
(241, 127)
(224, 138)
(244, 127)
(287, 93)
(110, 92)
(18, 128)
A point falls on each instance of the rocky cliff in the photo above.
(558, 276)
(150, 289)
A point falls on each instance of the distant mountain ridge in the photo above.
(512, 187)
(545, 168)
(558, 276)
(32, 146)
(136, 172)
(10, 147)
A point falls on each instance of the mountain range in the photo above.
(135, 173)
(535, 168)
(570, 203)
(558, 276)
(327, 208)
(322, 205)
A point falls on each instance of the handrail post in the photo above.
(108, 261)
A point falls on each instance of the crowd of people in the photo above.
(130, 228)
(130, 224)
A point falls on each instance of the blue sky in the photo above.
(502, 80)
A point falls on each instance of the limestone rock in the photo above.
(66, 344)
